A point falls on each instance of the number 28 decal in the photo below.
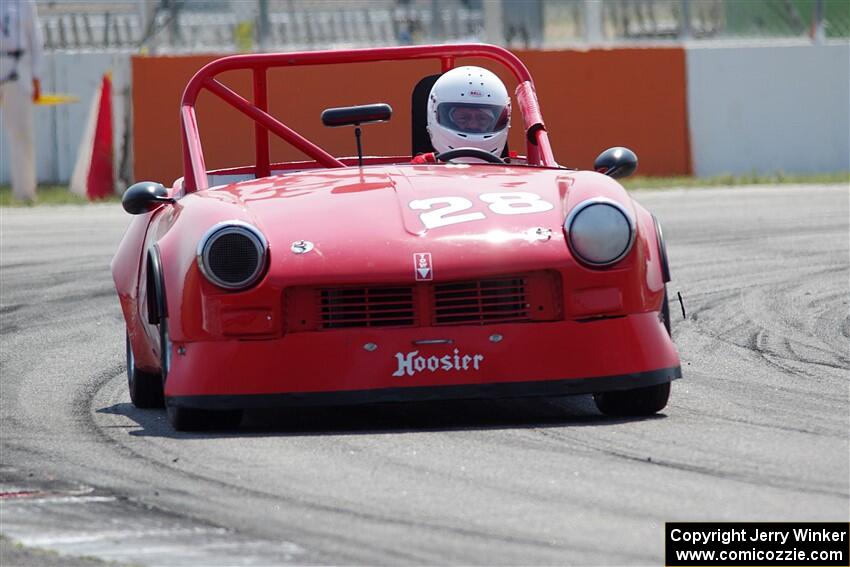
(514, 203)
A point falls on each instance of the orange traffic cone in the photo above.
(93, 175)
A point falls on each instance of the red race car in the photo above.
(460, 270)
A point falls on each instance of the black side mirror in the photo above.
(144, 197)
(616, 162)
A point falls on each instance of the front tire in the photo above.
(145, 388)
(164, 350)
(637, 402)
(190, 419)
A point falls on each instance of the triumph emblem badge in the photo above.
(422, 267)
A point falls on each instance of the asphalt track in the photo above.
(757, 429)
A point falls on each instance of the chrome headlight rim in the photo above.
(230, 227)
(576, 211)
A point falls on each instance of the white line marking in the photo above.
(62, 500)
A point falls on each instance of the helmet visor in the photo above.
(472, 118)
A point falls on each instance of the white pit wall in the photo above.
(769, 108)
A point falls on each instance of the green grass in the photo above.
(784, 17)
(47, 195)
(59, 194)
(734, 180)
(15, 553)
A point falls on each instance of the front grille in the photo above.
(480, 301)
(507, 299)
(366, 307)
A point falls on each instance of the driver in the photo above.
(469, 107)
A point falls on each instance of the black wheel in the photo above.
(640, 401)
(191, 419)
(468, 152)
(145, 388)
(164, 350)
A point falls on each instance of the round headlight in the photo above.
(599, 231)
(232, 255)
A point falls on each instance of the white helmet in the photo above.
(469, 107)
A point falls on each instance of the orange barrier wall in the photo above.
(591, 100)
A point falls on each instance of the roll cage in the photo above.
(539, 151)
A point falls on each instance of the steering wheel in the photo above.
(468, 152)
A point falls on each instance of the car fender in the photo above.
(184, 286)
(128, 269)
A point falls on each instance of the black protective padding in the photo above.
(420, 141)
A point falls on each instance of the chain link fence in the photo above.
(173, 26)
(642, 20)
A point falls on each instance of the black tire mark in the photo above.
(87, 421)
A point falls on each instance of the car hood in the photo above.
(373, 224)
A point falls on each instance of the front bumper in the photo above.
(374, 365)
(428, 393)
